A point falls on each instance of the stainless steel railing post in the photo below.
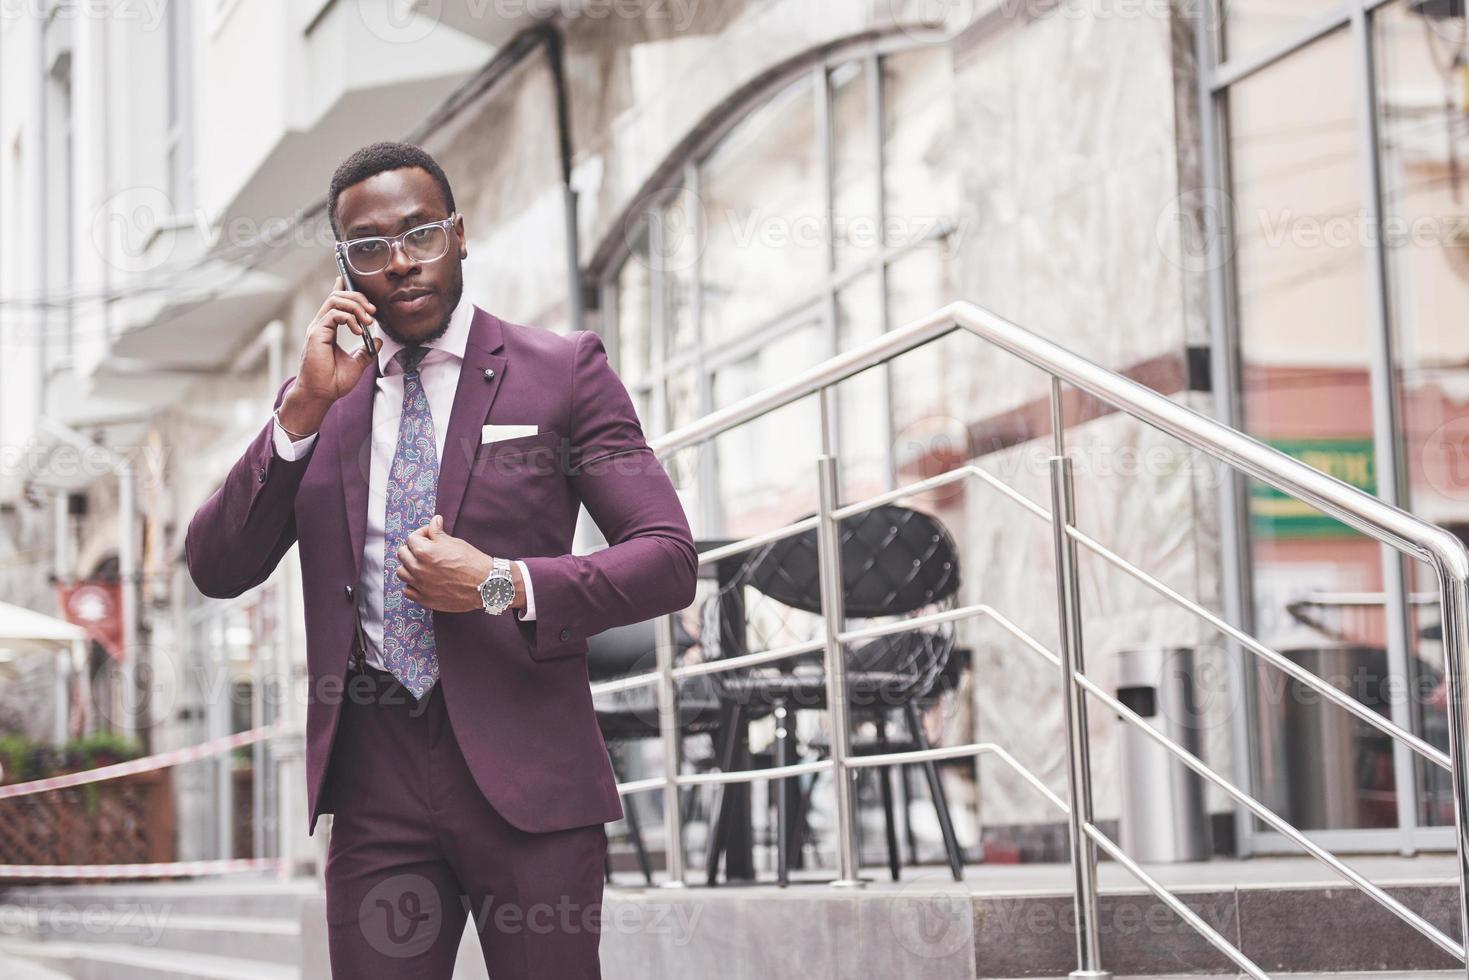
(829, 560)
(671, 735)
(1455, 608)
(1078, 742)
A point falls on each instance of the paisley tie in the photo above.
(408, 628)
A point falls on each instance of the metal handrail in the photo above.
(1326, 690)
(1356, 508)
(1286, 665)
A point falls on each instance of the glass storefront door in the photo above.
(1423, 146)
(1305, 347)
(1349, 265)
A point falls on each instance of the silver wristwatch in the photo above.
(497, 591)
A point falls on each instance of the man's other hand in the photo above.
(442, 572)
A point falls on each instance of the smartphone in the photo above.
(368, 342)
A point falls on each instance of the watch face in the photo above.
(499, 592)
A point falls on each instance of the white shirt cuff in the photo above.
(285, 448)
(529, 612)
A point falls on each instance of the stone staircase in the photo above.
(229, 929)
(999, 923)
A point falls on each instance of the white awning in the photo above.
(20, 626)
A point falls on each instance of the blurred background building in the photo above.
(731, 192)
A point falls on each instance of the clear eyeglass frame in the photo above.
(398, 241)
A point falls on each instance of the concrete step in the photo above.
(16, 968)
(944, 931)
(927, 926)
(160, 930)
(269, 940)
(245, 895)
(119, 961)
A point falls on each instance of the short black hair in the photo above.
(375, 158)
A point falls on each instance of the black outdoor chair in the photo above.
(629, 716)
(896, 563)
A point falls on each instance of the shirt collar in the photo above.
(451, 341)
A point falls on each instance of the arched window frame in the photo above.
(643, 220)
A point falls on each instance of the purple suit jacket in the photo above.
(517, 692)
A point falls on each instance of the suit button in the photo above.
(260, 474)
(348, 590)
(566, 634)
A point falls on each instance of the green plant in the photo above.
(26, 758)
(100, 749)
(17, 755)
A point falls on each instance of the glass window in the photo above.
(764, 220)
(775, 210)
(862, 404)
(634, 313)
(677, 263)
(918, 283)
(1250, 25)
(918, 183)
(1421, 106)
(856, 229)
(681, 393)
(767, 468)
(1305, 345)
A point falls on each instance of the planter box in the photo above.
(126, 820)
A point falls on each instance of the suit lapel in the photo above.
(480, 378)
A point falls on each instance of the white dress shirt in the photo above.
(438, 372)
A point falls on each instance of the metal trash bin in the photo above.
(1163, 818)
(1338, 771)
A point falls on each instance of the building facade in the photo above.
(1256, 212)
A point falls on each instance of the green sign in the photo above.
(1279, 515)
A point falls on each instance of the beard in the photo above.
(451, 297)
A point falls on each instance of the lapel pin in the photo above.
(489, 374)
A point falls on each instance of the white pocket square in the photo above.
(494, 433)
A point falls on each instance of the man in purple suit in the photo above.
(433, 479)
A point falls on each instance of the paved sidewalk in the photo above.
(13, 968)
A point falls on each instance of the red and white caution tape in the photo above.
(163, 869)
(160, 761)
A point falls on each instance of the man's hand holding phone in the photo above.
(328, 372)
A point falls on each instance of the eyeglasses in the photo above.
(425, 243)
